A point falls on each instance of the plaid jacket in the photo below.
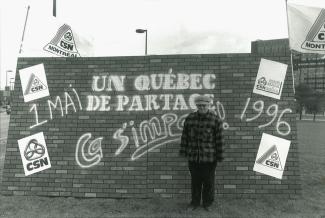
(202, 139)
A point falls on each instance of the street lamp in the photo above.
(143, 31)
(7, 71)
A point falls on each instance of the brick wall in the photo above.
(133, 165)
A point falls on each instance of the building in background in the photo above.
(273, 46)
(5, 95)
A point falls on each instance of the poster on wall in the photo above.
(33, 82)
(34, 155)
(270, 78)
(272, 155)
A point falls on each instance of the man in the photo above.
(201, 143)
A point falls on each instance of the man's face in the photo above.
(202, 108)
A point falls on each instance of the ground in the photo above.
(310, 205)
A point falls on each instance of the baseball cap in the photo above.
(201, 99)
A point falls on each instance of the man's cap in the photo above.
(201, 99)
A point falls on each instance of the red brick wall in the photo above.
(159, 172)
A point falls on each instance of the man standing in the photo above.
(201, 143)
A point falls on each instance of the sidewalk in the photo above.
(310, 117)
(4, 124)
(2, 156)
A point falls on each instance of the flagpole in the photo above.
(293, 76)
(54, 8)
(286, 2)
(291, 59)
(22, 38)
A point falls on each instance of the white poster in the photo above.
(270, 78)
(272, 155)
(34, 155)
(33, 82)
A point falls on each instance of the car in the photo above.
(8, 109)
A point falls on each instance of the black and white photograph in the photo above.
(162, 109)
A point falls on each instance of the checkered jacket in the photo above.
(202, 138)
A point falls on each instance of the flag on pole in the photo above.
(306, 28)
(47, 36)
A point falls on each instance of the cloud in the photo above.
(209, 42)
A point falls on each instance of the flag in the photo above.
(47, 36)
(306, 28)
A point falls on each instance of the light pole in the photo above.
(143, 31)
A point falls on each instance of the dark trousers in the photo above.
(202, 182)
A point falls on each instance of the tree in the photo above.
(303, 91)
(313, 103)
(309, 99)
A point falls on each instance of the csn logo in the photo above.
(271, 159)
(34, 153)
(261, 83)
(34, 85)
(315, 39)
(37, 86)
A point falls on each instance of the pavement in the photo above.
(4, 125)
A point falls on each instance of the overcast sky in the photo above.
(174, 26)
